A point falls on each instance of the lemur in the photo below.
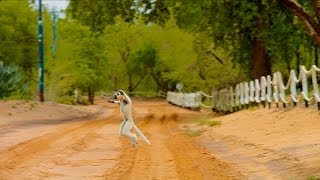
(127, 123)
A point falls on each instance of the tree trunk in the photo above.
(261, 63)
(130, 87)
(161, 85)
(90, 95)
(298, 60)
(297, 53)
(201, 70)
(287, 59)
(316, 56)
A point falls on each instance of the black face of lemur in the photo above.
(117, 94)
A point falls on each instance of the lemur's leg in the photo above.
(126, 132)
(121, 127)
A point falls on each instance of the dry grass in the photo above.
(194, 133)
(209, 122)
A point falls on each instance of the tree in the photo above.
(100, 13)
(155, 44)
(80, 63)
(18, 39)
(122, 40)
(234, 25)
(310, 20)
(153, 11)
(143, 63)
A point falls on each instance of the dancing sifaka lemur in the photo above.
(127, 124)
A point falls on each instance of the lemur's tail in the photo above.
(141, 134)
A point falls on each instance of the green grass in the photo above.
(209, 122)
(313, 178)
(194, 133)
(253, 108)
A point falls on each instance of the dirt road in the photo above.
(249, 144)
(92, 149)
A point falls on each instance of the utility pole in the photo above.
(41, 58)
(54, 29)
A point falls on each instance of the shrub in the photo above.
(11, 81)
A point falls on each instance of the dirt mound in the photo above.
(14, 112)
(269, 143)
(24, 120)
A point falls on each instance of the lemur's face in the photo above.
(118, 95)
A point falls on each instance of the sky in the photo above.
(56, 4)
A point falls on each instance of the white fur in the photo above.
(128, 123)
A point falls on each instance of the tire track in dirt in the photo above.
(155, 161)
(171, 155)
(93, 150)
(74, 150)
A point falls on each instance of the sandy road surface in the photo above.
(172, 154)
(92, 149)
(249, 144)
(266, 143)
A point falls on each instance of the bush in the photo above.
(11, 81)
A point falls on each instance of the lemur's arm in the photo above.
(113, 101)
(127, 98)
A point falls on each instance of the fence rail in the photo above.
(266, 90)
(190, 100)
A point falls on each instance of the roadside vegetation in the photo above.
(152, 45)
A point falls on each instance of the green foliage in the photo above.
(138, 52)
(122, 40)
(102, 13)
(18, 41)
(18, 35)
(153, 11)
(151, 45)
(234, 24)
(80, 63)
(141, 64)
(99, 14)
(11, 81)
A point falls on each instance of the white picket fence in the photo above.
(266, 90)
